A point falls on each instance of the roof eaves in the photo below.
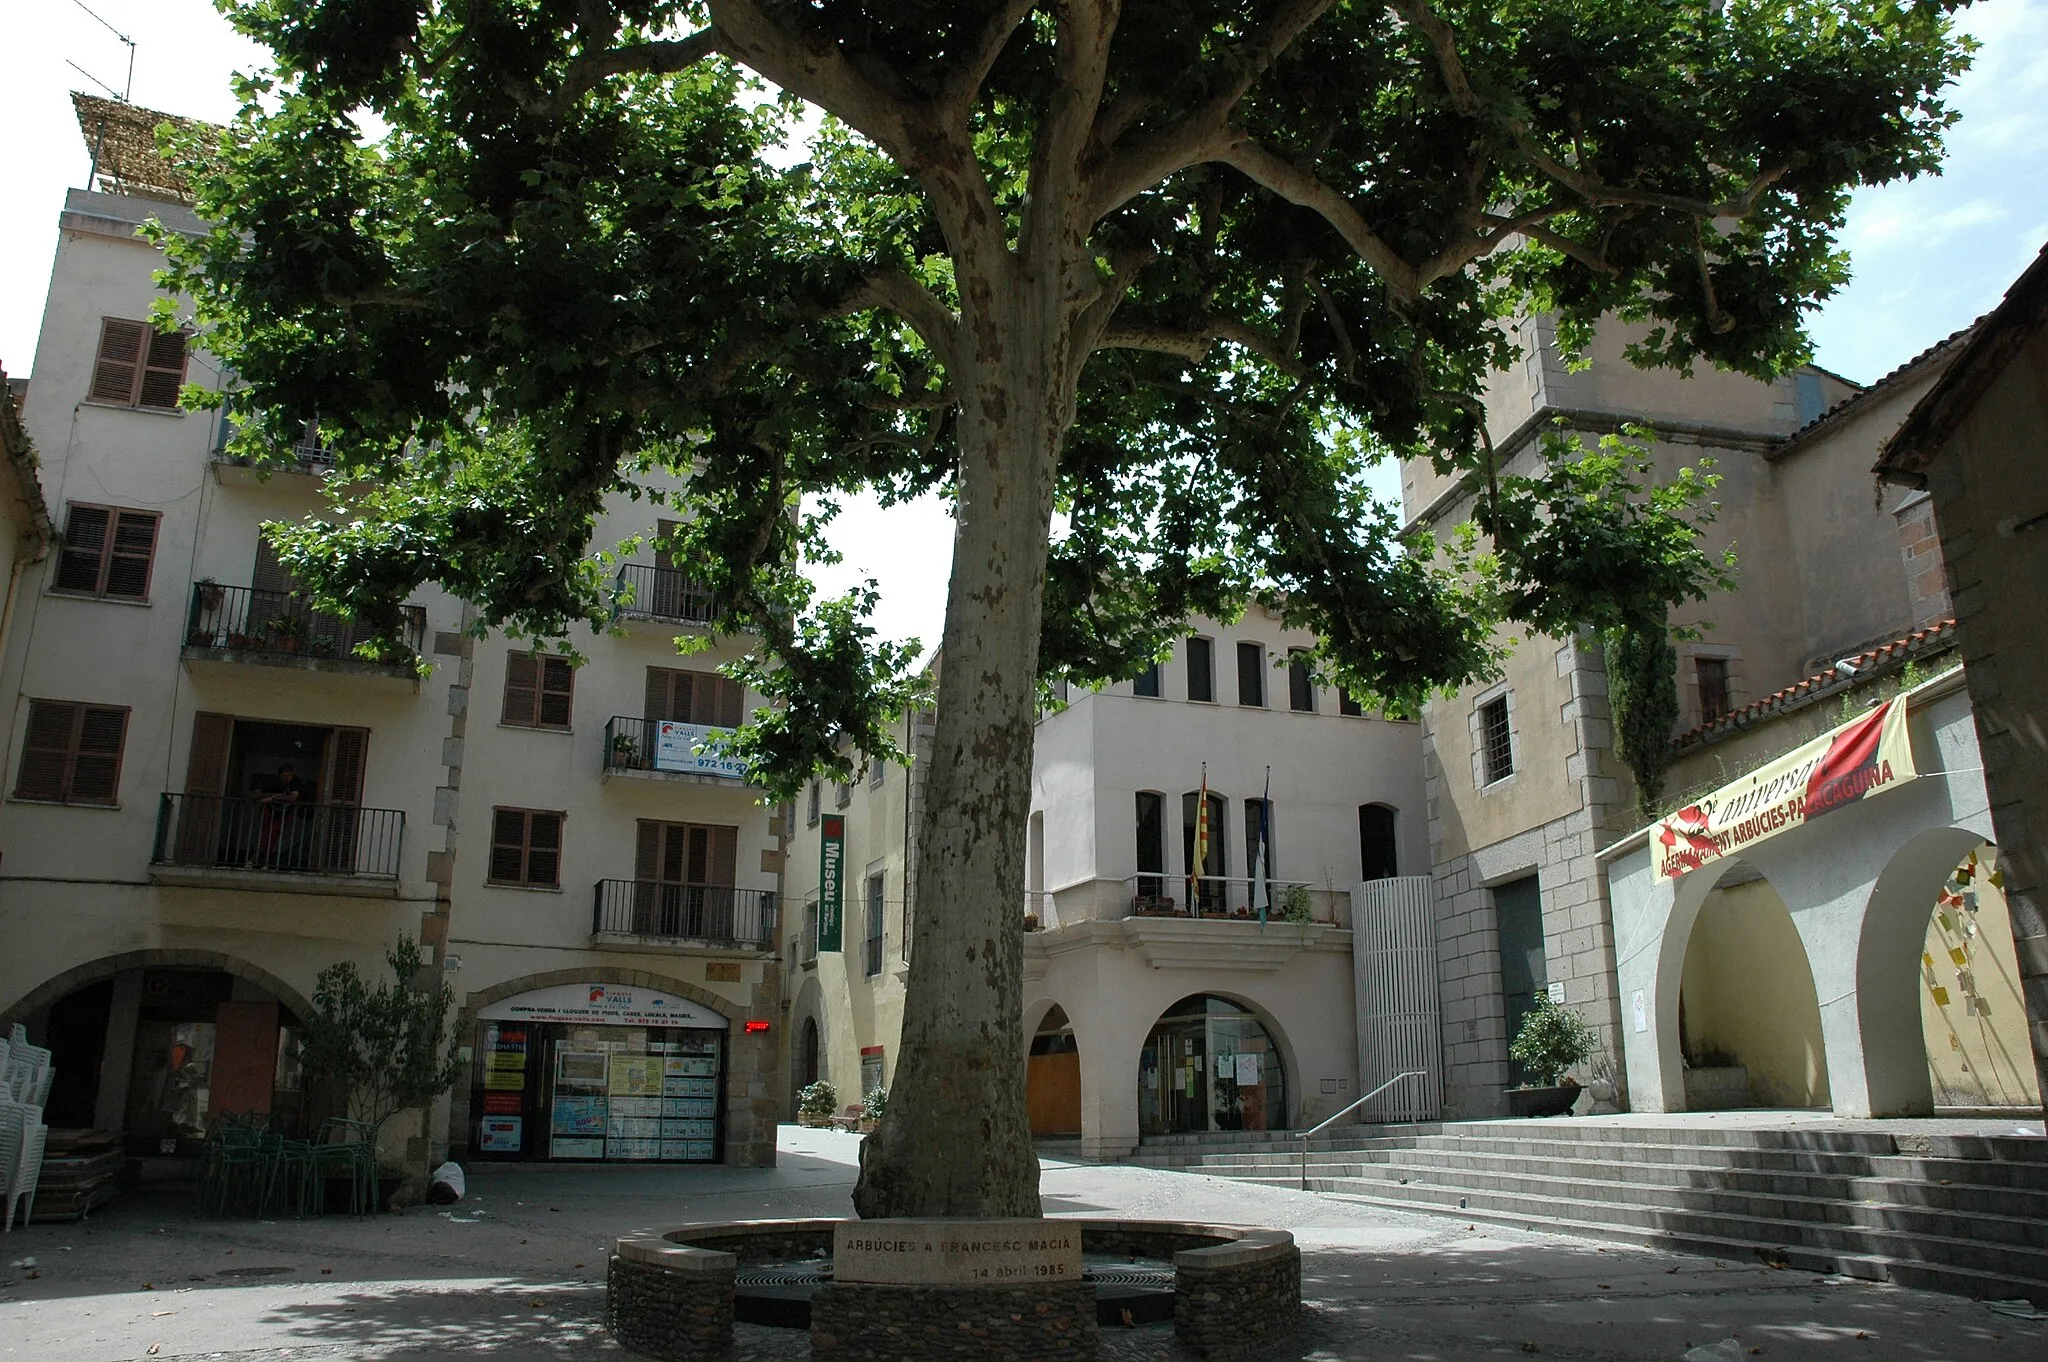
(1934, 638)
(1855, 402)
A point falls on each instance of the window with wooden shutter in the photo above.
(526, 848)
(108, 553)
(690, 697)
(539, 690)
(71, 752)
(137, 365)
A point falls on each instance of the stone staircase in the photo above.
(1958, 1213)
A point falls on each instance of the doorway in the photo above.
(1209, 1064)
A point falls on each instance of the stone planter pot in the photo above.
(1721, 1088)
(814, 1122)
(1555, 1101)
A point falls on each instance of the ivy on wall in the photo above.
(1642, 692)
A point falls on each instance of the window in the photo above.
(107, 553)
(876, 903)
(1712, 675)
(539, 689)
(1348, 706)
(690, 697)
(1376, 856)
(1496, 746)
(1301, 687)
(526, 848)
(1258, 835)
(1201, 670)
(71, 752)
(1146, 683)
(1251, 674)
(811, 804)
(842, 794)
(876, 768)
(1151, 844)
(138, 366)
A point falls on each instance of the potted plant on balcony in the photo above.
(817, 1104)
(287, 633)
(625, 749)
(211, 593)
(1551, 1041)
(1031, 922)
(1295, 905)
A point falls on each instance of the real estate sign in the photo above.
(692, 748)
(831, 881)
(1839, 768)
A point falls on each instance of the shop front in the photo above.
(599, 1072)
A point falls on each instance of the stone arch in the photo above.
(1053, 1080)
(1688, 895)
(1748, 991)
(107, 966)
(478, 999)
(807, 1008)
(1894, 1047)
(1290, 1063)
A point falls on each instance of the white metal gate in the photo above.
(1400, 1016)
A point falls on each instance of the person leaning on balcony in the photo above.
(280, 797)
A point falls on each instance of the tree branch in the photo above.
(1080, 70)
(1194, 345)
(592, 69)
(956, 96)
(1301, 187)
(894, 289)
(1123, 271)
(1443, 41)
(1599, 194)
(814, 68)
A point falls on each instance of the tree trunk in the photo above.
(956, 1140)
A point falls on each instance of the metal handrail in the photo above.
(1312, 1131)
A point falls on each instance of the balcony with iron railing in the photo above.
(316, 848)
(657, 914)
(1220, 896)
(239, 624)
(308, 454)
(663, 749)
(643, 591)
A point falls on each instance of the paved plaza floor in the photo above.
(516, 1272)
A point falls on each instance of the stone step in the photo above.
(2016, 1261)
(1908, 1272)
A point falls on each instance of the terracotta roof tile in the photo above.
(1935, 637)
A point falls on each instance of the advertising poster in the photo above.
(693, 748)
(581, 1070)
(503, 1103)
(502, 1134)
(635, 1076)
(578, 1116)
(576, 1149)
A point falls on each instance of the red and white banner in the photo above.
(1842, 766)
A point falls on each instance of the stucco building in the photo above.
(213, 795)
(1155, 1001)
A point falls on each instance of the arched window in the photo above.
(808, 1061)
(1151, 839)
(1216, 865)
(1377, 857)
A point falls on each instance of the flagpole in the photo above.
(1262, 885)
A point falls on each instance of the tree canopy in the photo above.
(1173, 272)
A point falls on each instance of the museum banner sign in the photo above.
(831, 882)
(1837, 769)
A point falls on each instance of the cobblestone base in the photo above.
(667, 1315)
(865, 1323)
(1238, 1311)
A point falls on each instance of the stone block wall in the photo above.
(1237, 1308)
(860, 1322)
(673, 1316)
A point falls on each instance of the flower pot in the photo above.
(1554, 1101)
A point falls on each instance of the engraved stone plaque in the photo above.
(956, 1252)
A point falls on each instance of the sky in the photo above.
(1928, 255)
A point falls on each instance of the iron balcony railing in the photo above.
(685, 912)
(264, 833)
(1207, 896)
(636, 745)
(643, 591)
(284, 624)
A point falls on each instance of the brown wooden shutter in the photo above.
(345, 770)
(544, 849)
(164, 371)
(731, 697)
(557, 692)
(270, 574)
(689, 853)
(46, 749)
(725, 855)
(646, 849)
(522, 686)
(85, 549)
(117, 369)
(670, 694)
(132, 553)
(96, 766)
(665, 530)
(206, 766)
(508, 845)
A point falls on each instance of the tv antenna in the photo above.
(128, 87)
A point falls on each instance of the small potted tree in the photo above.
(816, 1104)
(1551, 1041)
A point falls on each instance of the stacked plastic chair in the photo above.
(25, 1076)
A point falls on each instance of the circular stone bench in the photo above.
(1236, 1289)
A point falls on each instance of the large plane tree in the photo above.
(1165, 276)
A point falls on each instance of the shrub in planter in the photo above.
(873, 1103)
(1294, 904)
(817, 1104)
(1552, 1040)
